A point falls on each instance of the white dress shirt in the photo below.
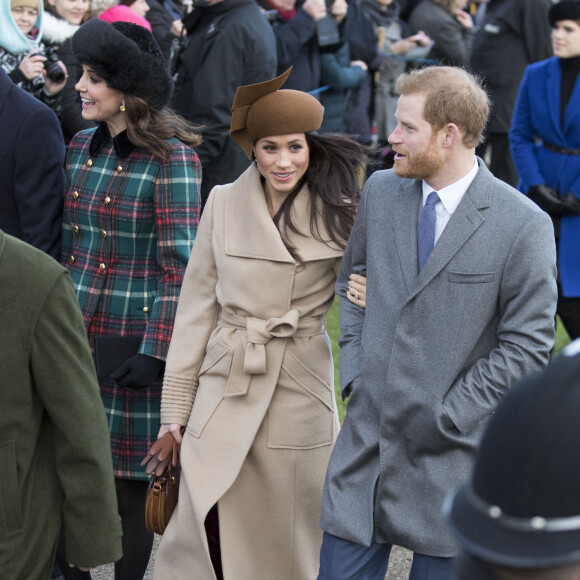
(449, 198)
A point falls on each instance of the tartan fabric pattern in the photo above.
(129, 225)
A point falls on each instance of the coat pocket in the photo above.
(10, 505)
(471, 278)
(213, 380)
(301, 414)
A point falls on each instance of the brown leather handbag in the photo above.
(162, 463)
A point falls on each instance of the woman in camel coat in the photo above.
(249, 371)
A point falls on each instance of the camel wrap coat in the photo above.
(249, 373)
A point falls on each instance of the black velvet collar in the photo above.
(123, 147)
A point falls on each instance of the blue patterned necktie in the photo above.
(426, 229)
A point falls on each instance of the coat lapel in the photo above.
(553, 81)
(251, 233)
(406, 215)
(572, 113)
(464, 222)
(5, 86)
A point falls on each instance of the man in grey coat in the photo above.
(437, 346)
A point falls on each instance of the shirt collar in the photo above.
(451, 195)
(123, 147)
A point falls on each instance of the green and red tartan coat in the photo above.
(129, 224)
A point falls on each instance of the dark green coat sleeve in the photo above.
(64, 375)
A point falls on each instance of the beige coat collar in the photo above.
(251, 233)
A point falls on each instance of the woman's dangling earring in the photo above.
(122, 107)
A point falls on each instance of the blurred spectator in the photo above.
(295, 29)
(54, 440)
(62, 19)
(22, 53)
(448, 26)
(342, 75)
(165, 19)
(229, 43)
(517, 518)
(393, 40)
(513, 34)
(31, 169)
(359, 32)
(128, 11)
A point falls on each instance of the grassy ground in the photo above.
(332, 320)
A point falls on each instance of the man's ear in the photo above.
(451, 134)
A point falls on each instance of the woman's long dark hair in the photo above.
(334, 176)
(149, 128)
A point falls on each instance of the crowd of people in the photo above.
(198, 182)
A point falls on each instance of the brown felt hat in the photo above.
(262, 110)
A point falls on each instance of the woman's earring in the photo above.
(122, 107)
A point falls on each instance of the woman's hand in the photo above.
(357, 290)
(32, 65)
(174, 428)
(360, 63)
(52, 88)
(464, 19)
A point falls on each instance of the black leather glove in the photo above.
(547, 199)
(570, 205)
(138, 372)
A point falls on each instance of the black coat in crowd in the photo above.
(31, 169)
(514, 34)
(228, 45)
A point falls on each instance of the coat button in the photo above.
(90, 163)
(107, 200)
(76, 229)
(102, 267)
(146, 309)
(72, 259)
(76, 195)
(103, 233)
(119, 169)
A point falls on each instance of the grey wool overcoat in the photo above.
(249, 373)
(432, 354)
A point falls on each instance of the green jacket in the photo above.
(54, 440)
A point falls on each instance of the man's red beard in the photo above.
(420, 165)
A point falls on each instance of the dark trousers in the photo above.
(137, 541)
(344, 560)
(569, 311)
(501, 162)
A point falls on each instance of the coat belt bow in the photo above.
(260, 332)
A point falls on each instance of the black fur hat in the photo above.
(127, 57)
(564, 10)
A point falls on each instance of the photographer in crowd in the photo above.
(24, 57)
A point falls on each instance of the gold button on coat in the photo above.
(76, 195)
(103, 233)
(119, 169)
(146, 309)
(102, 267)
(72, 260)
(90, 163)
(76, 229)
(107, 200)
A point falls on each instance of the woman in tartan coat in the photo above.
(131, 213)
